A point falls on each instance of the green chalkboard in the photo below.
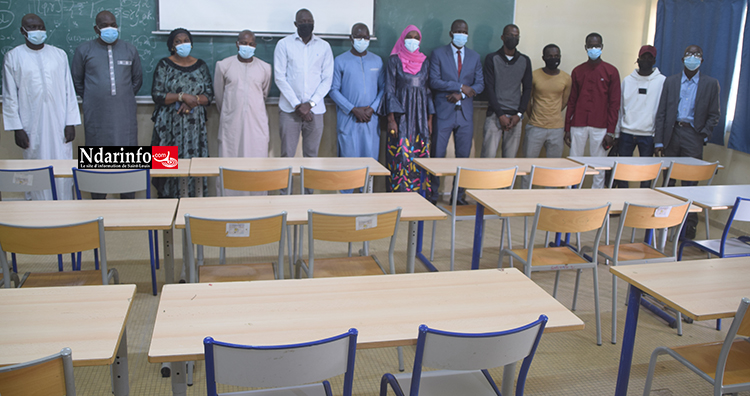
(70, 23)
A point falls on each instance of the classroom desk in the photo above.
(64, 168)
(90, 320)
(606, 163)
(386, 310)
(699, 289)
(709, 197)
(118, 214)
(510, 203)
(413, 209)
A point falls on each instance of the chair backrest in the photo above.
(485, 179)
(353, 228)
(49, 376)
(689, 172)
(635, 173)
(282, 365)
(740, 212)
(476, 351)
(255, 180)
(565, 220)
(112, 182)
(740, 328)
(647, 217)
(321, 179)
(51, 240)
(556, 177)
(27, 180)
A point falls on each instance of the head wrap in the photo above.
(173, 34)
(411, 61)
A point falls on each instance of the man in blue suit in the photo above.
(455, 78)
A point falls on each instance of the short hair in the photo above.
(173, 34)
(597, 35)
(300, 11)
(457, 21)
(548, 46)
(509, 26)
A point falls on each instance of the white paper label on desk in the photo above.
(238, 230)
(366, 222)
(23, 179)
(662, 211)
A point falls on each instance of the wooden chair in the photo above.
(549, 219)
(53, 240)
(478, 179)
(298, 369)
(648, 218)
(119, 182)
(48, 376)
(693, 174)
(725, 365)
(462, 360)
(635, 173)
(235, 233)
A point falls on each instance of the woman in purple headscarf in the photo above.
(409, 107)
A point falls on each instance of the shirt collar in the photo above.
(457, 49)
(297, 37)
(693, 80)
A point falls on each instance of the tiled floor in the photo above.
(566, 363)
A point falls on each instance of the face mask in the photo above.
(552, 63)
(511, 43)
(305, 29)
(692, 62)
(645, 65)
(594, 53)
(411, 44)
(360, 45)
(183, 50)
(460, 39)
(36, 37)
(246, 51)
(109, 34)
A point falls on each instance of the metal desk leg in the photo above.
(179, 378)
(628, 341)
(478, 229)
(509, 380)
(185, 255)
(184, 187)
(168, 239)
(198, 186)
(119, 369)
(411, 247)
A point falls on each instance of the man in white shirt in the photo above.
(39, 101)
(303, 70)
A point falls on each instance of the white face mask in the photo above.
(411, 44)
(360, 45)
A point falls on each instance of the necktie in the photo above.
(459, 61)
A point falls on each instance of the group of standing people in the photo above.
(423, 100)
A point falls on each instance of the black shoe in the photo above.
(690, 232)
(432, 200)
(461, 201)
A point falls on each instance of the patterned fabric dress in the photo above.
(408, 97)
(186, 131)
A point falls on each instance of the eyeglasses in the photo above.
(695, 54)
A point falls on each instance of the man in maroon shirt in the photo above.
(593, 106)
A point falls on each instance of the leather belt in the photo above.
(683, 124)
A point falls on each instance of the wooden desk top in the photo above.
(118, 214)
(606, 163)
(447, 166)
(64, 168)
(413, 206)
(523, 202)
(711, 197)
(210, 166)
(38, 322)
(387, 310)
(700, 289)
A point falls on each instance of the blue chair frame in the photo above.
(724, 236)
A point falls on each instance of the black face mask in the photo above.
(645, 65)
(552, 63)
(305, 29)
(510, 43)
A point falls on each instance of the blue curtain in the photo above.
(714, 25)
(739, 137)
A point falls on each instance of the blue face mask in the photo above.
(246, 51)
(594, 53)
(360, 45)
(36, 37)
(109, 34)
(183, 50)
(411, 44)
(692, 62)
(460, 39)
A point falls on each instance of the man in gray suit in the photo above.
(455, 78)
(688, 112)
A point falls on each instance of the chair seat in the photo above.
(554, 256)
(346, 266)
(236, 272)
(69, 278)
(632, 251)
(732, 247)
(706, 356)
(302, 390)
(466, 211)
(448, 383)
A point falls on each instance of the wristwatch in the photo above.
(179, 97)
(520, 115)
(312, 104)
